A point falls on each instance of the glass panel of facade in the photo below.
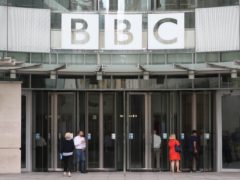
(162, 5)
(143, 59)
(136, 5)
(216, 3)
(3, 2)
(230, 132)
(109, 131)
(108, 5)
(19, 56)
(56, 20)
(207, 57)
(158, 58)
(40, 81)
(105, 58)
(27, 3)
(228, 82)
(93, 130)
(70, 58)
(178, 83)
(90, 58)
(43, 58)
(179, 58)
(230, 56)
(125, 59)
(189, 20)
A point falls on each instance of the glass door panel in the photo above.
(230, 132)
(186, 128)
(61, 119)
(160, 124)
(93, 130)
(65, 120)
(109, 131)
(204, 128)
(136, 131)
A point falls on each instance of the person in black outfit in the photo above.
(67, 149)
(194, 144)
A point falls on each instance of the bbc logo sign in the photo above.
(122, 31)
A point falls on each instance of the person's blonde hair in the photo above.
(68, 135)
(172, 136)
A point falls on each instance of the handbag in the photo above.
(178, 148)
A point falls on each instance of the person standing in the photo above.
(194, 143)
(174, 153)
(67, 149)
(80, 146)
(156, 149)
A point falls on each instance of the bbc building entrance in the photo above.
(119, 70)
(119, 127)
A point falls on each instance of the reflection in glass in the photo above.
(93, 130)
(65, 119)
(109, 131)
(230, 132)
(136, 131)
(161, 124)
(40, 132)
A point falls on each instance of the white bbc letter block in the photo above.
(166, 31)
(123, 32)
(80, 31)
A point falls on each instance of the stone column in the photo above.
(10, 127)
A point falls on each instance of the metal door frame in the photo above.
(147, 129)
(28, 95)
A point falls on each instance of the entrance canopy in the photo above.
(124, 70)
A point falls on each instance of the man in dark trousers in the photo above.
(194, 148)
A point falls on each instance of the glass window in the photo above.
(206, 82)
(143, 59)
(215, 3)
(70, 58)
(136, 5)
(41, 58)
(125, 59)
(118, 83)
(172, 4)
(56, 20)
(108, 5)
(228, 82)
(158, 59)
(179, 58)
(207, 57)
(3, 2)
(39, 81)
(91, 59)
(105, 59)
(230, 56)
(27, 3)
(25, 80)
(189, 19)
(178, 83)
(23, 57)
(82, 5)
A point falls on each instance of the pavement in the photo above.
(122, 176)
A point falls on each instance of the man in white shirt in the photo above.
(80, 146)
(156, 149)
